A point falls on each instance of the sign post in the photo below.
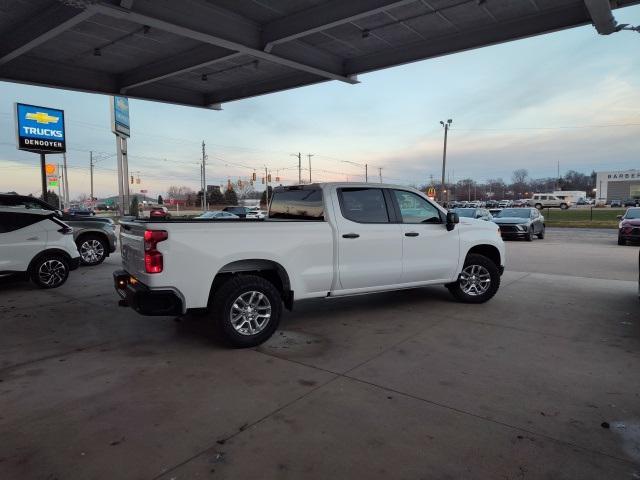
(120, 127)
(40, 130)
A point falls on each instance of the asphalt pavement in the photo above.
(541, 382)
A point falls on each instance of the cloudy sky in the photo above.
(571, 96)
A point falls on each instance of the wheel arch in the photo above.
(48, 251)
(487, 250)
(270, 270)
(86, 233)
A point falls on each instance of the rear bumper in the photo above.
(144, 300)
(74, 263)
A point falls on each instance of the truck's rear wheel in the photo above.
(246, 310)
(478, 281)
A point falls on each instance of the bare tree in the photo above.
(243, 189)
(520, 176)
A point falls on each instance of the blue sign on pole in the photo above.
(120, 116)
(40, 129)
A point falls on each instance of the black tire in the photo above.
(563, 206)
(224, 300)
(541, 234)
(529, 236)
(538, 206)
(49, 271)
(474, 259)
(92, 249)
(621, 241)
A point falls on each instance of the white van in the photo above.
(543, 200)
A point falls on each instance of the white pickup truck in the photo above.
(319, 240)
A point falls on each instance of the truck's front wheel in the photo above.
(247, 310)
(478, 281)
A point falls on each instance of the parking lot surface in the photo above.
(541, 382)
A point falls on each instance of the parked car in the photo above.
(256, 214)
(491, 204)
(237, 210)
(159, 213)
(629, 226)
(505, 203)
(321, 240)
(544, 200)
(95, 237)
(35, 244)
(479, 213)
(520, 223)
(631, 202)
(521, 203)
(217, 215)
(615, 204)
(79, 211)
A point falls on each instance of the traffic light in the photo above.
(253, 177)
(269, 178)
(277, 179)
(131, 179)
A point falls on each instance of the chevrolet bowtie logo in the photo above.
(42, 117)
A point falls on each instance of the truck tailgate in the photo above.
(132, 246)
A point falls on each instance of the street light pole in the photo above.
(444, 156)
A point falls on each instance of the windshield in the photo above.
(465, 212)
(514, 213)
(632, 213)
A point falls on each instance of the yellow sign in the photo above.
(50, 169)
(42, 117)
(431, 192)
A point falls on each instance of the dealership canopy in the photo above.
(204, 53)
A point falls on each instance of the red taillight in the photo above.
(152, 257)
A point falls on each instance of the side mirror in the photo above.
(619, 217)
(452, 219)
(59, 213)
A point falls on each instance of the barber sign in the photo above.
(40, 129)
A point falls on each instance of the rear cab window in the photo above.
(363, 205)
(297, 203)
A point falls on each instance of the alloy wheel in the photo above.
(91, 251)
(52, 272)
(475, 280)
(250, 313)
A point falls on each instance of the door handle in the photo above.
(411, 234)
(350, 235)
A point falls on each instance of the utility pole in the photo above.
(380, 173)
(299, 169)
(446, 126)
(66, 181)
(266, 183)
(91, 172)
(366, 173)
(59, 192)
(204, 178)
(309, 155)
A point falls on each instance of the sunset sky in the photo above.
(571, 96)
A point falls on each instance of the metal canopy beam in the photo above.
(322, 17)
(260, 88)
(212, 25)
(602, 17)
(544, 22)
(199, 57)
(39, 29)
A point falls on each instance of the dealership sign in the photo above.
(40, 129)
(120, 116)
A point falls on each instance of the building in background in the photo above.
(617, 185)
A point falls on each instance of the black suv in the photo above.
(237, 210)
